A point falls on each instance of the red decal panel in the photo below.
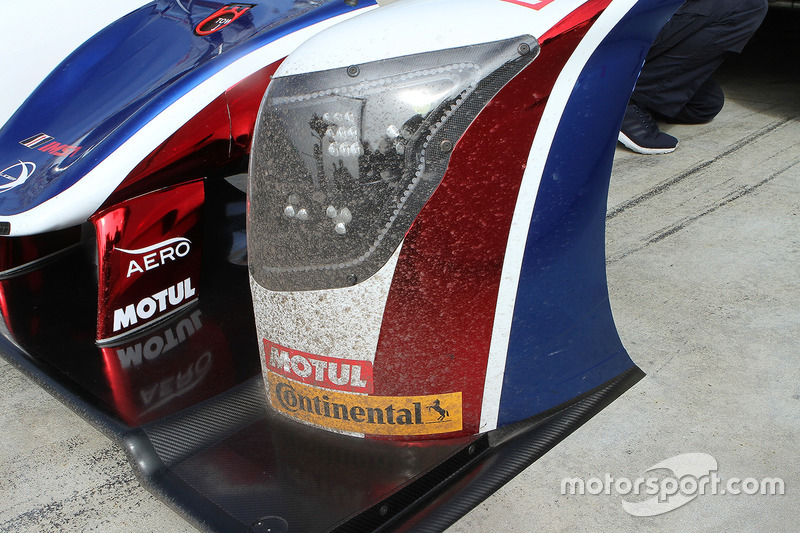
(438, 320)
(149, 258)
(536, 5)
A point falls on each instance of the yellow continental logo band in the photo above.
(373, 415)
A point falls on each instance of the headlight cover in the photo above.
(344, 159)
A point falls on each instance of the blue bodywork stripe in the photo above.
(126, 75)
(563, 341)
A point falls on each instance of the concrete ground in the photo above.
(703, 264)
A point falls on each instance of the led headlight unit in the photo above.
(344, 159)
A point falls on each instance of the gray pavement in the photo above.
(703, 260)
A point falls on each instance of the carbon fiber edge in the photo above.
(431, 502)
(159, 445)
(511, 449)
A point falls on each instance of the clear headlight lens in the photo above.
(343, 160)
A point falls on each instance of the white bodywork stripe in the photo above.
(343, 323)
(518, 235)
(418, 28)
(76, 204)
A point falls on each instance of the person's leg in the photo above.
(705, 104)
(692, 45)
(675, 82)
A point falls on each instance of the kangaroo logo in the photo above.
(439, 409)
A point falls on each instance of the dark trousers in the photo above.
(676, 82)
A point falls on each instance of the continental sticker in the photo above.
(373, 415)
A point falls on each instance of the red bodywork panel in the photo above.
(176, 365)
(17, 252)
(449, 269)
(215, 142)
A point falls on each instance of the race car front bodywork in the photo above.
(426, 310)
(430, 213)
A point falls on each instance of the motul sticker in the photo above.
(371, 415)
(534, 4)
(154, 306)
(221, 18)
(333, 373)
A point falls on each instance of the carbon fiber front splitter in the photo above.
(187, 403)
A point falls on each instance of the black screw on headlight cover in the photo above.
(353, 71)
(524, 49)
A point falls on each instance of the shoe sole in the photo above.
(625, 140)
